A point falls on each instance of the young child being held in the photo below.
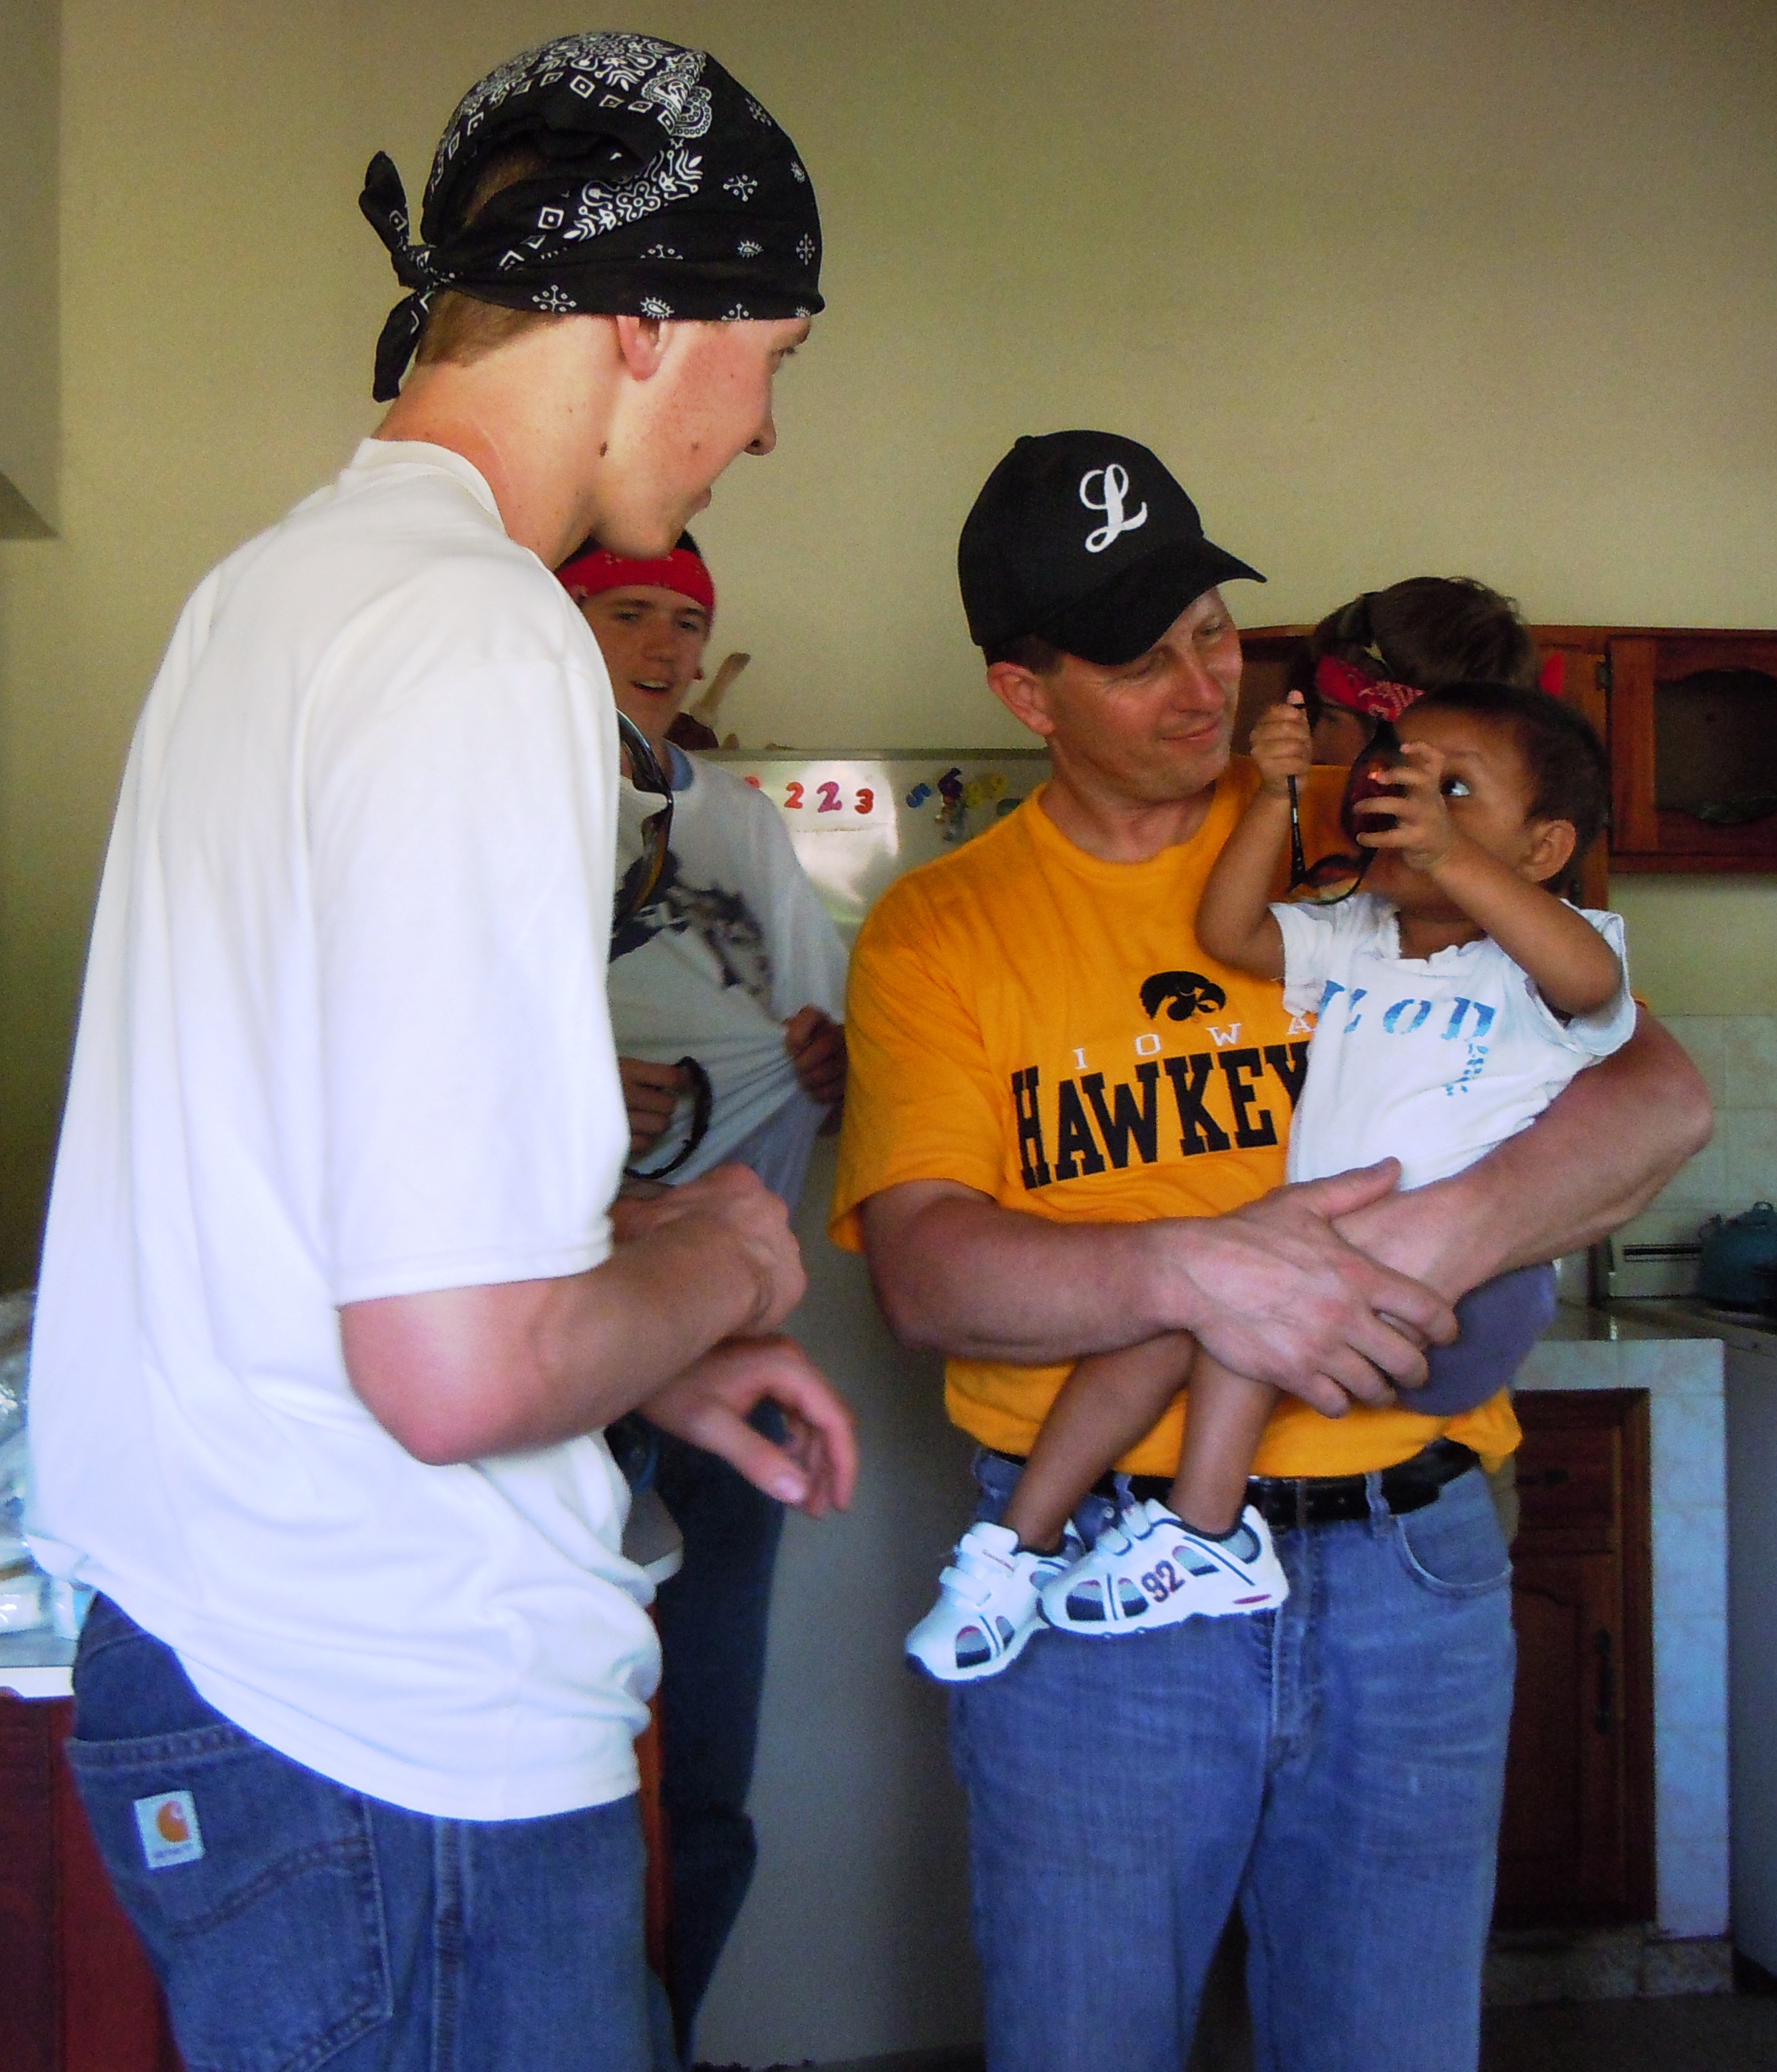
(1457, 994)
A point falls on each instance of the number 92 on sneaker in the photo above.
(1147, 1570)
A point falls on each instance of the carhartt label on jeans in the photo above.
(169, 1830)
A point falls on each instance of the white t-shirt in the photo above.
(1430, 1060)
(344, 1035)
(732, 942)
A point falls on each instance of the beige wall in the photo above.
(1702, 945)
(1481, 286)
(30, 415)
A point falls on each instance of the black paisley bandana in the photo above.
(669, 192)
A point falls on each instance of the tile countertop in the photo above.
(1662, 1318)
(36, 1665)
(39, 1664)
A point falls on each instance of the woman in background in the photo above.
(1369, 660)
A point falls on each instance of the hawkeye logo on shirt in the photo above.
(1182, 993)
(1212, 1097)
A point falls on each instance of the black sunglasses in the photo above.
(702, 1101)
(1336, 877)
(638, 887)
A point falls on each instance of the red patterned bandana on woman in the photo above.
(1344, 684)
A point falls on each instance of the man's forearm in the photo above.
(467, 1372)
(1597, 1156)
(457, 1374)
(1269, 1289)
(955, 1273)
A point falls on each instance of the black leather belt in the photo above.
(1286, 1502)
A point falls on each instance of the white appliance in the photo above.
(863, 1852)
(1637, 1268)
(858, 820)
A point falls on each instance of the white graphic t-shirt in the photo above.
(732, 942)
(1430, 1060)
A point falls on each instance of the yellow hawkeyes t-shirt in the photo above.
(1041, 1026)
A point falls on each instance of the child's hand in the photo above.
(1411, 813)
(817, 1045)
(1282, 745)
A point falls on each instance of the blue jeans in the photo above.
(1334, 1768)
(712, 1617)
(322, 1928)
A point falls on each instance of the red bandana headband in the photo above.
(1342, 684)
(681, 570)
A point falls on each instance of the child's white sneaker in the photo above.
(989, 1603)
(1149, 1569)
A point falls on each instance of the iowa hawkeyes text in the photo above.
(1216, 1096)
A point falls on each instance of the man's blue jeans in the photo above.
(1334, 1767)
(320, 1928)
(712, 1617)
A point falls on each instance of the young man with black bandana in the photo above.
(334, 1304)
(1043, 1063)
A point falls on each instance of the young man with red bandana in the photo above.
(733, 947)
(732, 962)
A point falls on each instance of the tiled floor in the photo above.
(1728, 2033)
(1725, 2032)
(1718, 2032)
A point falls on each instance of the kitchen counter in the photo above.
(1717, 1428)
(36, 1664)
(1667, 1317)
(1674, 1349)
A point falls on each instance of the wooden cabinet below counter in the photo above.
(1576, 1844)
(78, 1995)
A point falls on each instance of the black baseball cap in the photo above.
(1085, 539)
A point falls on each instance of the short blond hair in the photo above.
(461, 329)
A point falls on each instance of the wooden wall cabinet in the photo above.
(1689, 715)
(1576, 1844)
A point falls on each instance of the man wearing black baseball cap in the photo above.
(1084, 541)
(1064, 1134)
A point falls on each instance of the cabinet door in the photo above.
(1693, 752)
(1266, 653)
(77, 1995)
(1563, 1842)
(1576, 673)
(1576, 1839)
(27, 1889)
